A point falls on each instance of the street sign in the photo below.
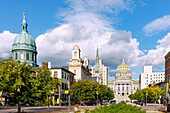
(66, 91)
(167, 86)
(58, 100)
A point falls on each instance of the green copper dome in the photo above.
(123, 66)
(24, 40)
(24, 47)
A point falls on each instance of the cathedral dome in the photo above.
(24, 40)
(24, 46)
(123, 66)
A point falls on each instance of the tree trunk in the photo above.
(19, 106)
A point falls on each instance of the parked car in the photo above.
(141, 102)
(91, 102)
(105, 103)
(12, 104)
(80, 103)
(112, 102)
(136, 102)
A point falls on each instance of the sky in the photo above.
(138, 30)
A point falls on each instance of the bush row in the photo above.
(122, 107)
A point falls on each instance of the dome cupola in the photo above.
(24, 46)
(123, 66)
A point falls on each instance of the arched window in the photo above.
(16, 56)
(33, 57)
(75, 54)
(27, 56)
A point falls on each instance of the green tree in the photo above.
(132, 96)
(25, 83)
(86, 90)
(153, 93)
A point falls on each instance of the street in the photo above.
(57, 109)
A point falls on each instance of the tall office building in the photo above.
(149, 77)
(99, 71)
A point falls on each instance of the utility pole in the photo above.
(146, 96)
(159, 95)
(59, 96)
(97, 97)
(69, 108)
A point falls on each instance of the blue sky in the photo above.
(134, 29)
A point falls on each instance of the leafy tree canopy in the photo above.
(87, 90)
(153, 94)
(25, 83)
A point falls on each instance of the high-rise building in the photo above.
(167, 67)
(99, 71)
(24, 46)
(78, 66)
(149, 77)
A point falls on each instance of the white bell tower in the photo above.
(76, 52)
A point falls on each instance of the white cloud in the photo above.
(6, 41)
(56, 45)
(158, 25)
(99, 6)
(86, 23)
(156, 56)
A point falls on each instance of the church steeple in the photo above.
(24, 24)
(97, 58)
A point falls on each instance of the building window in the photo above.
(74, 71)
(16, 56)
(55, 74)
(62, 75)
(122, 88)
(65, 86)
(134, 88)
(75, 54)
(27, 56)
(62, 85)
(33, 57)
(127, 88)
(118, 88)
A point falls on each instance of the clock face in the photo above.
(74, 62)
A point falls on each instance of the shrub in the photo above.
(122, 107)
